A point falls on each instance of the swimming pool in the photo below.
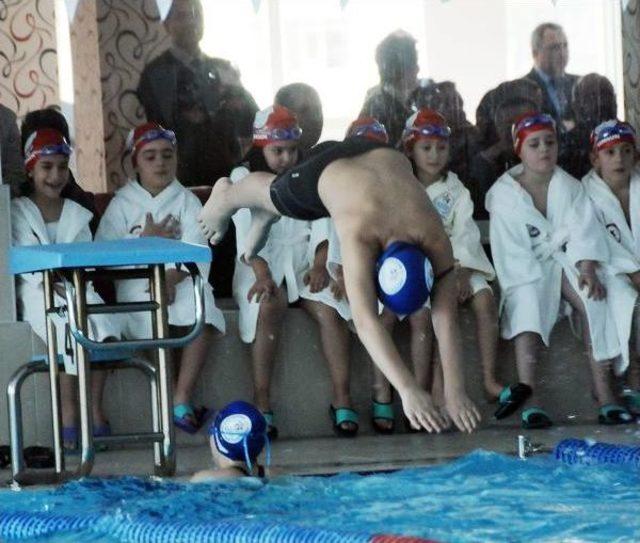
(480, 497)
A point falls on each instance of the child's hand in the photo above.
(337, 289)
(263, 289)
(169, 227)
(635, 279)
(317, 278)
(464, 287)
(462, 411)
(589, 279)
(171, 279)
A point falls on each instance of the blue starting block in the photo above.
(74, 265)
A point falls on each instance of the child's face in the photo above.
(539, 152)
(615, 163)
(156, 165)
(281, 156)
(431, 156)
(50, 175)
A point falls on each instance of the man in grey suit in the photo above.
(550, 57)
(11, 158)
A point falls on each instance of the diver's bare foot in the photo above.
(261, 222)
(216, 213)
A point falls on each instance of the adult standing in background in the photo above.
(183, 90)
(397, 60)
(10, 154)
(202, 100)
(550, 51)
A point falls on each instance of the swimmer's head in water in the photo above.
(368, 128)
(273, 124)
(44, 142)
(404, 278)
(424, 124)
(239, 432)
(527, 124)
(146, 133)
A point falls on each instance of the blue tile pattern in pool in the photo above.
(480, 497)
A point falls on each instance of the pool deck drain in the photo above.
(364, 453)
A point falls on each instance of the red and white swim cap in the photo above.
(527, 124)
(44, 142)
(424, 124)
(369, 128)
(146, 133)
(276, 123)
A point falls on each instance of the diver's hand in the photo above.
(462, 410)
(420, 411)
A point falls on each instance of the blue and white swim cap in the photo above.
(404, 278)
(239, 432)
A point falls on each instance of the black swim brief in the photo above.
(295, 192)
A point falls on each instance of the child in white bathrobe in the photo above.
(613, 185)
(426, 143)
(548, 247)
(291, 267)
(45, 217)
(156, 204)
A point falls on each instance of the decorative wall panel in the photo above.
(631, 61)
(131, 35)
(28, 59)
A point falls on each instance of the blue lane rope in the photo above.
(580, 451)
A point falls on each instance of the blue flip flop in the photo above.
(184, 417)
(511, 399)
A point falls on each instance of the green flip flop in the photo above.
(612, 414)
(340, 415)
(382, 411)
(535, 418)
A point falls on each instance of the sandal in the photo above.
(612, 414)
(70, 438)
(631, 400)
(5, 456)
(39, 457)
(382, 411)
(511, 399)
(535, 418)
(272, 430)
(184, 417)
(339, 416)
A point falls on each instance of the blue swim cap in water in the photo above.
(239, 432)
(404, 278)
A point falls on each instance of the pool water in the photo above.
(480, 497)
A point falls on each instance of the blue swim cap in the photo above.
(239, 432)
(404, 278)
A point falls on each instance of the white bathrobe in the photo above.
(28, 228)
(530, 252)
(289, 253)
(124, 218)
(624, 246)
(453, 202)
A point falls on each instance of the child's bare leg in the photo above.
(334, 336)
(600, 370)
(527, 347)
(264, 347)
(226, 198)
(633, 373)
(422, 347)
(486, 314)
(98, 379)
(192, 359)
(69, 399)
(381, 386)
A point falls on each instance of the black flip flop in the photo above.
(511, 399)
(5, 456)
(39, 457)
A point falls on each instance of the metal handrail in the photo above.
(165, 343)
